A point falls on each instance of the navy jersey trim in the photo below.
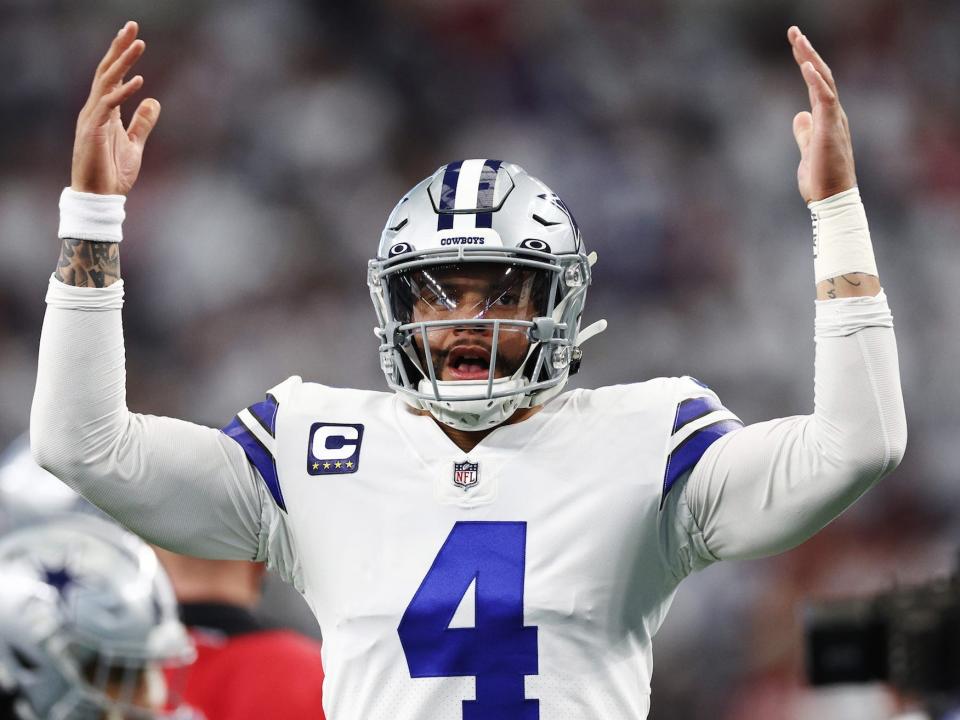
(265, 413)
(258, 455)
(687, 453)
(693, 409)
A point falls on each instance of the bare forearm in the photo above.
(856, 284)
(85, 263)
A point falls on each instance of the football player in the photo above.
(475, 544)
(244, 669)
(88, 623)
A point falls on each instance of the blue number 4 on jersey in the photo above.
(499, 650)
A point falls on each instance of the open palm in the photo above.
(106, 155)
(822, 133)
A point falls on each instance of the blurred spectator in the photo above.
(244, 670)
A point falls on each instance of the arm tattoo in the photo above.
(832, 292)
(849, 285)
(86, 263)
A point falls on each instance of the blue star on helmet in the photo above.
(60, 579)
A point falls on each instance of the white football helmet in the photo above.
(88, 621)
(479, 284)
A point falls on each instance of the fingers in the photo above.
(803, 51)
(114, 74)
(143, 121)
(121, 42)
(109, 90)
(820, 91)
(115, 98)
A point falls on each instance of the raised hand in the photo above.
(822, 134)
(106, 156)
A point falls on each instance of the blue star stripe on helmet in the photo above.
(485, 192)
(265, 413)
(694, 408)
(688, 453)
(258, 455)
(448, 195)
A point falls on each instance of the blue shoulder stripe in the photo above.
(265, 413)
(693, 408)
(258, 455)
(688, 453)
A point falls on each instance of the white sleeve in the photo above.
(182, 486)
(767, 487)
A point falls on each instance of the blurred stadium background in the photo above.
(289, 130)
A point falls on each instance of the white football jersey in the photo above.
(522, 580)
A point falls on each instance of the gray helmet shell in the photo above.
(79, 592)
(483, 211)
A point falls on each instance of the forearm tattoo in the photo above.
(850, 279)
(85, 263)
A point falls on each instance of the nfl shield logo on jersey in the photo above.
(466, 474)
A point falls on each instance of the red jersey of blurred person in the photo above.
(246, 672)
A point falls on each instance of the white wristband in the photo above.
(841, 238)
(87, 216)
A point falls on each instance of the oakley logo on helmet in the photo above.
(334, 448)
(463, 240)
(399, 249)
(535, 244)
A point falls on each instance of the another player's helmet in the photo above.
(517, 247)
(88, 622)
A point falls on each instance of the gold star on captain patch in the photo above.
(316, 466)
(338, 464)
(326, 466)
(349, 464)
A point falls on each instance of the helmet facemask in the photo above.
(473, 337)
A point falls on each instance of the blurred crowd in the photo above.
(289, 130)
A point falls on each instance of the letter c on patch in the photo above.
(335, 442)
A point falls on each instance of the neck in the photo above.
(467, 440)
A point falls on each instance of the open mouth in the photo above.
(467, 362)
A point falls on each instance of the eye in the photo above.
(507, 299)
